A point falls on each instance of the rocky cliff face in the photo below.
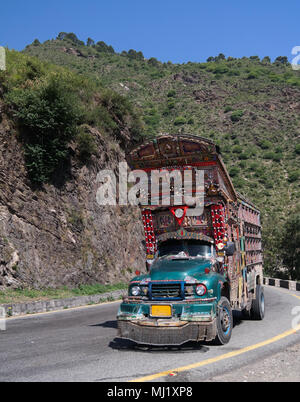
(59, 235)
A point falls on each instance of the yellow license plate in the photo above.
(161, 311)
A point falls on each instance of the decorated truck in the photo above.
(200, 266)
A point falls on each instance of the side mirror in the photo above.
(230, 249)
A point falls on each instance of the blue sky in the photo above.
(175, 30)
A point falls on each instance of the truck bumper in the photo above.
(167, 335)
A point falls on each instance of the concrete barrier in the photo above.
(282, 283)
(17, 309)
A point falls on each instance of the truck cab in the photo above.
(178, 298)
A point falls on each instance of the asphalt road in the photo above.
(80, 345)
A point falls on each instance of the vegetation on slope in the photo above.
(54, 106)
(250, 107)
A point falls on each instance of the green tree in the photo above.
(271, 245)
(133, 54)
(266, 60)
(70, 36)
(61, 36)
(153, 62)
(103, 47)
(281, 60)
(290, 246)
(90, 42)
(221, 57)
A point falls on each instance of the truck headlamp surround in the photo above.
(201, 289)
(135, 291)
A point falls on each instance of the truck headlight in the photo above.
(201, 290)
(135, 291)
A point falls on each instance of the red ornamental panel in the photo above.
(218, 221)
(149, 233)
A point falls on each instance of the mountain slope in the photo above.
(249, 107)
(52, 231)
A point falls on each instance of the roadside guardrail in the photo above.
(282, 283)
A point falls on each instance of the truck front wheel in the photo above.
(224, 322)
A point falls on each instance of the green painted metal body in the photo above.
(187, 272)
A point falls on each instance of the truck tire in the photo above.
(258, 304)
(246, 314)
(224, 322)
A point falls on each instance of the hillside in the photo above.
(52, 146)
(250, 107)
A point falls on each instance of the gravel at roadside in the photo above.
(281, 367)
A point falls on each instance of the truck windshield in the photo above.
(185, 249)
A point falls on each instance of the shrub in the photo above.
(85, 143)
(269, 155)
(237, 149)
(243, 156)
(254, 165)
(252, 75)
(265, 144)
(171, 104)
(297, 149)
(171, 93)
(120, 114)
(277, 157)
(234, 171)
(237, 115)
(48, 115)
(221, 70)
(179, 121)
(228, 109)
(294, 176)
(233, 73)
(238, 182)
(152, 118)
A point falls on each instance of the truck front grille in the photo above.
(166, 291)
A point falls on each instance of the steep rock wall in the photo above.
(59, 235)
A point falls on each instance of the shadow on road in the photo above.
(129, 346)
(106, 324)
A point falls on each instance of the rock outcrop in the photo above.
(58, 235)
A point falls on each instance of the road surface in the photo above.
(81, 345)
